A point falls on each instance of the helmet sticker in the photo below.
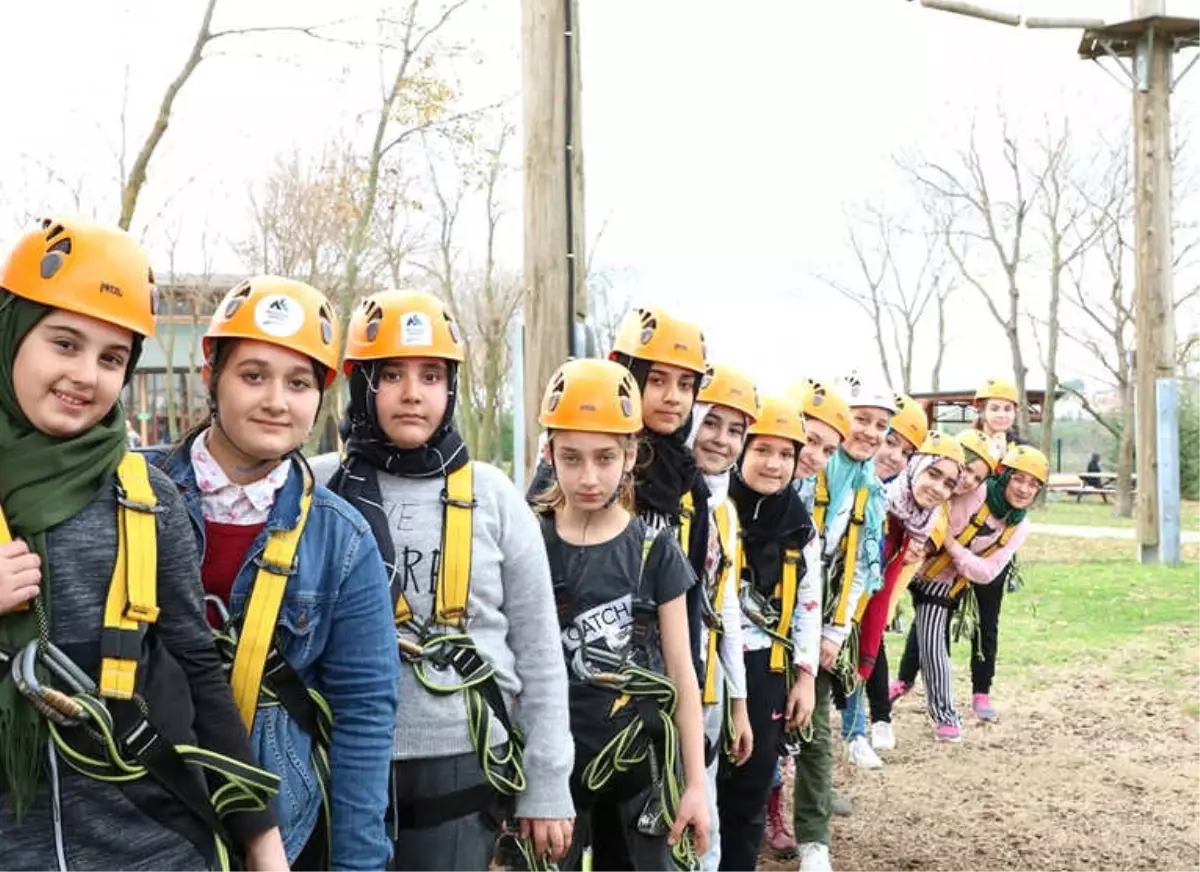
(416, 329)
(279, 316)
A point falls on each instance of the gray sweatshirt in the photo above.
(512, 619)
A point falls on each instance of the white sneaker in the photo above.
(814, 857)
(860, 754)
(882, 737)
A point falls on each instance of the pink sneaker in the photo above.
(982, 707)
(947, 733)
(897, 689)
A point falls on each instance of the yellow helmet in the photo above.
(909, 420)
(779, 418)
(940, 444)
(652, 334)
(997, 389)
(822, 402)
(974, 441)
(1028, 459)
(725, 386)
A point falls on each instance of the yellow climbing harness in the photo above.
(454, 570)
(821, 502)
(687, 513)
(729, 556)
(79, 707)
(858, 517)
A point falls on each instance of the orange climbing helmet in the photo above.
(996, 389)
(779, 417)
(652, 334)
(280, 312)
(592, 396)
(402, 324)
(909, 420)
(86, 268)
(820, 401)
(726, 386)
(1028, 459)
(939, 444)
(974, 441)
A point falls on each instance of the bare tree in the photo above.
(483, 300)
(134, 180)
(1066, 237)
(902, 272)
(994, 214)
(607, 302)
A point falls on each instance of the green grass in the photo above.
(1112, 615)
(1092, 513)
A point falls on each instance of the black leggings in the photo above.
(742, 790)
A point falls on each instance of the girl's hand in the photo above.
(265, 853)
(693, 812)
(20, 575)
(829, 654)
(550, 836)
(743, 735)
(801, 701)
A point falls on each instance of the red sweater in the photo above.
(875, 616)
(224, 554)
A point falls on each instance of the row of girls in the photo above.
(218, 653)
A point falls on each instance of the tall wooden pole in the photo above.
(554, 261)
(1154, 300)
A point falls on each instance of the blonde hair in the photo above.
(552, 499)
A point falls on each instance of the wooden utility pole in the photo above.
(1154, 300)
(554, 258)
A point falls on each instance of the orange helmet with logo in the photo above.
(592, 396)
(819, 401)
(779, 417)
(974, 441)
(1028, 459)
(652, 334)
(996, 389)
(909, 420)
(281, 312)
(939, 444)
(86, 268)
(402, 324)
(726, 386)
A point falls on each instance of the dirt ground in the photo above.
(1086, 772)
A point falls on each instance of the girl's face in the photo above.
(69, 371)
(998, 416)
(891, 459)
(1022, 490)
(935, 484)
(823, 442)
(667, 398)
(867, 429)
(267, 398)
(973, 475)
(412, 399)
(720, 440)
(589, 466)
(769, 464)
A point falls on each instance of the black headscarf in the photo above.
(770, 525)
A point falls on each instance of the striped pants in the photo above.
(933, 611)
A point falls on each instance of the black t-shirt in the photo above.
(596, 587)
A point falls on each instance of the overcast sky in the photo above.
(722, 141)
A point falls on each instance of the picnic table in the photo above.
(1085, 484)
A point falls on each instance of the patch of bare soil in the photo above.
(1089, 771)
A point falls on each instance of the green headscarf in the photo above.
(43, 482)
(998, 503)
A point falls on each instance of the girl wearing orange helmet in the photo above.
(483, 737)
(726, 406)
(986, 528)
(77, 302)
(271, 351)
(620, 588)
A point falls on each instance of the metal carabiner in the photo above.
(222, 611)
(612, 680)
(53, 704)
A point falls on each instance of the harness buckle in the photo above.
(447, 500)
(54, 705)
(124, 501)
(275, 568)
(142, 614)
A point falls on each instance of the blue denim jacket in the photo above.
(336, 631)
